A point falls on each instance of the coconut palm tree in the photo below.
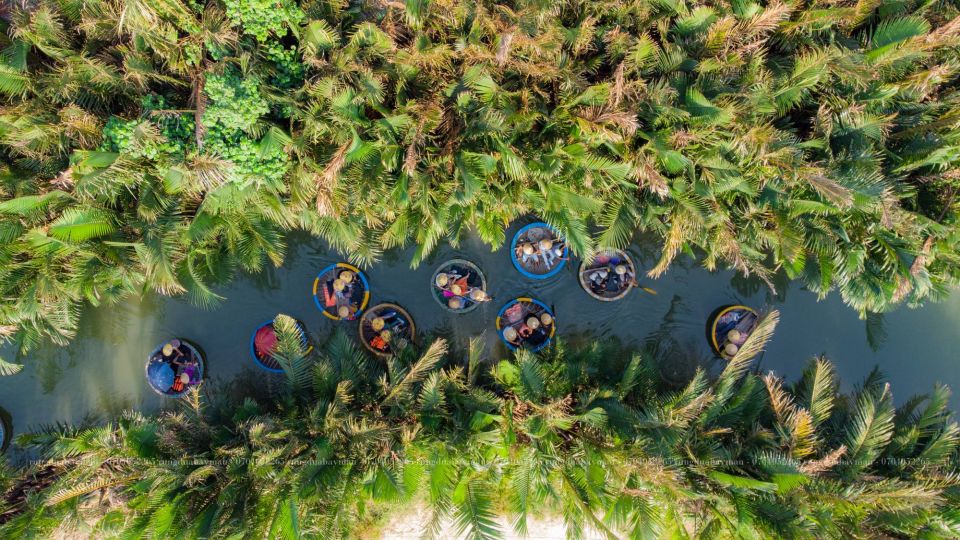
(593, 434)
(814, 141)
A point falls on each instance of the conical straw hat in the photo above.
(510, 333)
(346, 276)
(533, 323)
(442, 279)
(456, 289)
(546, 319)
(386, 335)
(734, 336)
(167, 349)
(620, 269)
(731, 349)
(546, 244)
(343, 312)
(478, 294)
(455, 302)
(377, 324)
(528, 249)
(339, 285)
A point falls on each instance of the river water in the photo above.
(103, 370)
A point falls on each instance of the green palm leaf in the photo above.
(870, 430)
(80, 225)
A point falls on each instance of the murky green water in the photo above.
(104, 368)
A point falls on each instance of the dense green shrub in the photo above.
(264, 19)
(231, 118)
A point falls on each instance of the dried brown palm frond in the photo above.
(327, 180)
(824, 464)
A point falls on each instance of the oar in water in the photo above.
(645, 289)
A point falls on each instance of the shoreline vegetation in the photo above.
(349, 442)
(167, 146)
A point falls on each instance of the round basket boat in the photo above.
(723, 322)
(602, 278)
(386, 328)
(173, 374)
(6, 433)
(538, 251)
(526, 323)
(459, 286)
(338, 298)
(264, 340)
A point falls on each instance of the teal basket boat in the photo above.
(459, 286)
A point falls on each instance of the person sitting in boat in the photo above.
(735, 340)
(540, 328)
(545, 252)
(620, 279)
(533, 324)
(347, 312)
(344, 288)
(511, 335)
(478, 295)
(514, 313)
(598, 280)
(526, 253)
(459, 287)
(557, 252)
(525, 331)
(181, 360)
(550, 252)
(381, 341)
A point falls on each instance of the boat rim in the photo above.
(516, 261)
(355, 270)
(621, 294)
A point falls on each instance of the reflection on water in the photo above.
(104, 369)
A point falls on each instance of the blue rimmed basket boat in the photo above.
(726, 319)
(386, 328)
(515, 330)
(157, 366)
(462, 281)
(263, 358)
(530, 255)
(600, 279)
(354, 297)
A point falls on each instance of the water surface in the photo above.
(103, 370)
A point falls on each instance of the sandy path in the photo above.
(409, 526)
